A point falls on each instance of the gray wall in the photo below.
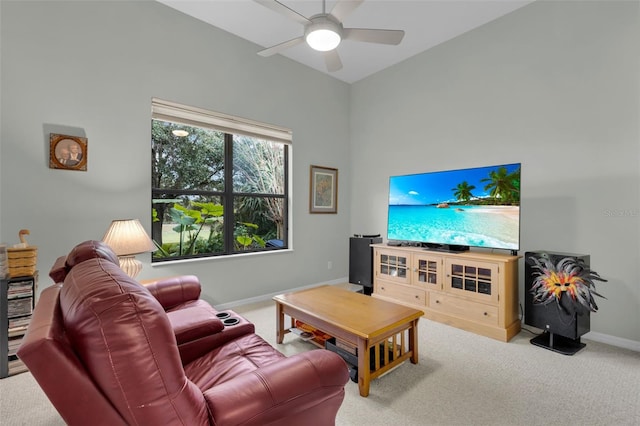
(554, 85)
(91, 69)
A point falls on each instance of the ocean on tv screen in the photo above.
(476, 226)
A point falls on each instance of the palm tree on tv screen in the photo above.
(463, 191)
(503, 186)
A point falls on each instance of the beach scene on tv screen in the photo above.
(477, 207)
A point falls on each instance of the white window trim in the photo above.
(184, 114)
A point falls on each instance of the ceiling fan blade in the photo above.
(373, 36)
(280, 8)
(343, 8)
(332, 60)
(280, 47)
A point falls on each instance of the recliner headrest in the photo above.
(91, 249)
(59, 270)
(84, 251)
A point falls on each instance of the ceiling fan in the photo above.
(324, 31)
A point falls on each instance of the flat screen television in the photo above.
(453, 210)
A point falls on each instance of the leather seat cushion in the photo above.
(242, 355)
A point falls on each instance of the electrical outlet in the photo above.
(329, 265)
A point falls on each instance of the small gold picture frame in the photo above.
(67, 152)
(323, 191)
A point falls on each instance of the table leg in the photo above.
(413, 341)
(364, 371)
(279, 322)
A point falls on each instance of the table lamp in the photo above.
(127, 237)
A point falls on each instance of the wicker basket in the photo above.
(21, 261)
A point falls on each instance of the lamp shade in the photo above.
(128, 237)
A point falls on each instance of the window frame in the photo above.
(231, 126)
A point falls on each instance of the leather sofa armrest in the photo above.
(171, 292)
(46, 351)
(194, 323)
(284, 389)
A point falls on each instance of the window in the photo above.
(220, 184)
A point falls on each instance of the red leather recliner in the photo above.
(107, 351)
(194, 321)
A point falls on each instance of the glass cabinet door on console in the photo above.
(427, 271)
(472, 279)
(391, 266)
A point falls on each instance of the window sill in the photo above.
(221, 258)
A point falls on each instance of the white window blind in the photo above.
(192, 116)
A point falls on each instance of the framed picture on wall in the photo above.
(323, 192)
(67, 152)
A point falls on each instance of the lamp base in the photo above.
(130, 265)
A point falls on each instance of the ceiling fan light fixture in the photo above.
(323, 34)
(180, 133)
(323, 40)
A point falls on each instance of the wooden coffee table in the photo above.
(361, 321)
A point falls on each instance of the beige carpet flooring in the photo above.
(461, 379)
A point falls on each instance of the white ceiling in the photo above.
(426, 23)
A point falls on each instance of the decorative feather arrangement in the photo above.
(569, 282)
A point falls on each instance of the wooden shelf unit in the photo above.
(17, 300)
(474, 291)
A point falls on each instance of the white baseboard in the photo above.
(265, 297)
(613, 340)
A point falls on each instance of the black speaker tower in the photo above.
(361, 261)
